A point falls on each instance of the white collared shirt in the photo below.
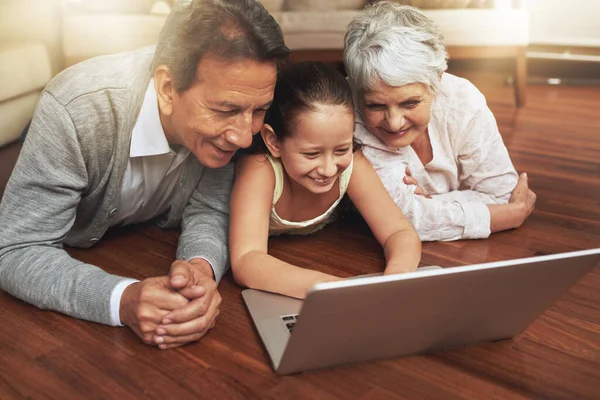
(150, 178)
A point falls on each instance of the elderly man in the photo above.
(110, 145)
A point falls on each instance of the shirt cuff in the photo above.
(115, 301)
(209, 263)
(477, 221)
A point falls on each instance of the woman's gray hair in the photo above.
(396, 44)
(231, 29)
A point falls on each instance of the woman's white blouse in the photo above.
(470, 168)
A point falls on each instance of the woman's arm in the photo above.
(486, 172)
(502, 216)
(393, 231)
(433, 219)
(519, 207)
(252, 266)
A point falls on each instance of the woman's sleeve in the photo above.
(435, 219)
(486, 173)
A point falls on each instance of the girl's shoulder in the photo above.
(252, 161)
(359, 164)
(254, 164)
(359, 159)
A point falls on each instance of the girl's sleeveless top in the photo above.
(278, 225)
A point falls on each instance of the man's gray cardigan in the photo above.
(66, 185)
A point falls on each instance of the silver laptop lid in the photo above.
(380, 317)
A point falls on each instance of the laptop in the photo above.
(376, 317)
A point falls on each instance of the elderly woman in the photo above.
(429, 134)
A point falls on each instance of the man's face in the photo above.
(222, 109)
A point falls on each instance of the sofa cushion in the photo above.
(349, 4)
(14, 116)
(312, 30)
(24, 68)
(427, 4)
(272, 5)
(90, 35)
(315, 21)
(482, 27)
(324, 5)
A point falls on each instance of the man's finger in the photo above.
(166, 299)
(164, 346)
(170, 333)
(198, 311)
(194, 309)
(202, 285)
(193, 292)
(171, 340)
(180, 274)
(407, 171)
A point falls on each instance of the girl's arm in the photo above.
(392, 230)
(252, 266)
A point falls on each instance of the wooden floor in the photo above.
(555, 138)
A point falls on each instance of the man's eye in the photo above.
(375, 107)
(226, 112)
(411, 104)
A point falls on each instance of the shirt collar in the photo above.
(148, 137)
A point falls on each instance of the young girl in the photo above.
(303, 164)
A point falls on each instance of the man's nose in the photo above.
(241, 133)
(394, 119)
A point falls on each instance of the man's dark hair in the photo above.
(231, 29)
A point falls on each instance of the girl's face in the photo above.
(319, 148)
(397, 115)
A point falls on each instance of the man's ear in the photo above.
(270, 139)
(163, 84)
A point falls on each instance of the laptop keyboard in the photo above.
(289, 321)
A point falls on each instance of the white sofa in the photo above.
(501, 32)
(314, 29)
(40, 37)
(25, 70)
(29, 56)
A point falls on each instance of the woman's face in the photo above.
(397, 115)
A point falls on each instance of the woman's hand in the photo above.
(524, 197)
(410, 180)
(519, 207)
